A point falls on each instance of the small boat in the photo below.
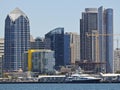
(81, 78)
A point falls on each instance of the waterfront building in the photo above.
(1, 67)
(1, 55)
(105, 27)
(117, 60)
(39, 61)
(55, 40)
(88, 23)
(1, 46)
(97, 22)
(17, 39)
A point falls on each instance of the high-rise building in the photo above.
(98, 22)
(105, 26)
(67, 50)
(1, 56)
(72, 45)
(117, 60)
(75, 47)
(1, 47)
(55, 39)
(88, 23)
(1, 71)
(17, 39)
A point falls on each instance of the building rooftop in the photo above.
(16, 13)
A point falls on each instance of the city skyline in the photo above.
(46, 15)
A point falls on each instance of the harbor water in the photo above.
(88, 86)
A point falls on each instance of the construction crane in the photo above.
(97, 35)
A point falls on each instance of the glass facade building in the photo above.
(55, 40)
(17, 39)
(102, 39)
(39, 60)
(67, 53)
(109, 40)
(105, 27)
(97, 21)
(88, 23)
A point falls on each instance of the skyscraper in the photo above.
(67, 50)
(105, 26)
(1, 46)
(72, 47)
(17, 39)
(97, 21)
(55, 39)
(1, 55)
(75, 47)
(88, 23)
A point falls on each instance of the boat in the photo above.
(51, 78)
(81, 78)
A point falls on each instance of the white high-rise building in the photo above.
(1, 46)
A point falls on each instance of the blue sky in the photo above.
(45, 15)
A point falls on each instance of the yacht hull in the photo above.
(84, 81)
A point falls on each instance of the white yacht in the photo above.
(81, 78)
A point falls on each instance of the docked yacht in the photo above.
(81, 78)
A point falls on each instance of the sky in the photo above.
(45, 15)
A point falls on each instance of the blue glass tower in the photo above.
(17, 39)
(67, 53)
(105, 27)
(109, 40)
(55, 39)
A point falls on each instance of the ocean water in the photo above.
(60, 86)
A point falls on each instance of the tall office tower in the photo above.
(96, 33)
(1, 55)
(74, 47)
(1, 47)
(88, 24)
(55, 40)
(17, 39)
(105, 27)
(67, 50)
